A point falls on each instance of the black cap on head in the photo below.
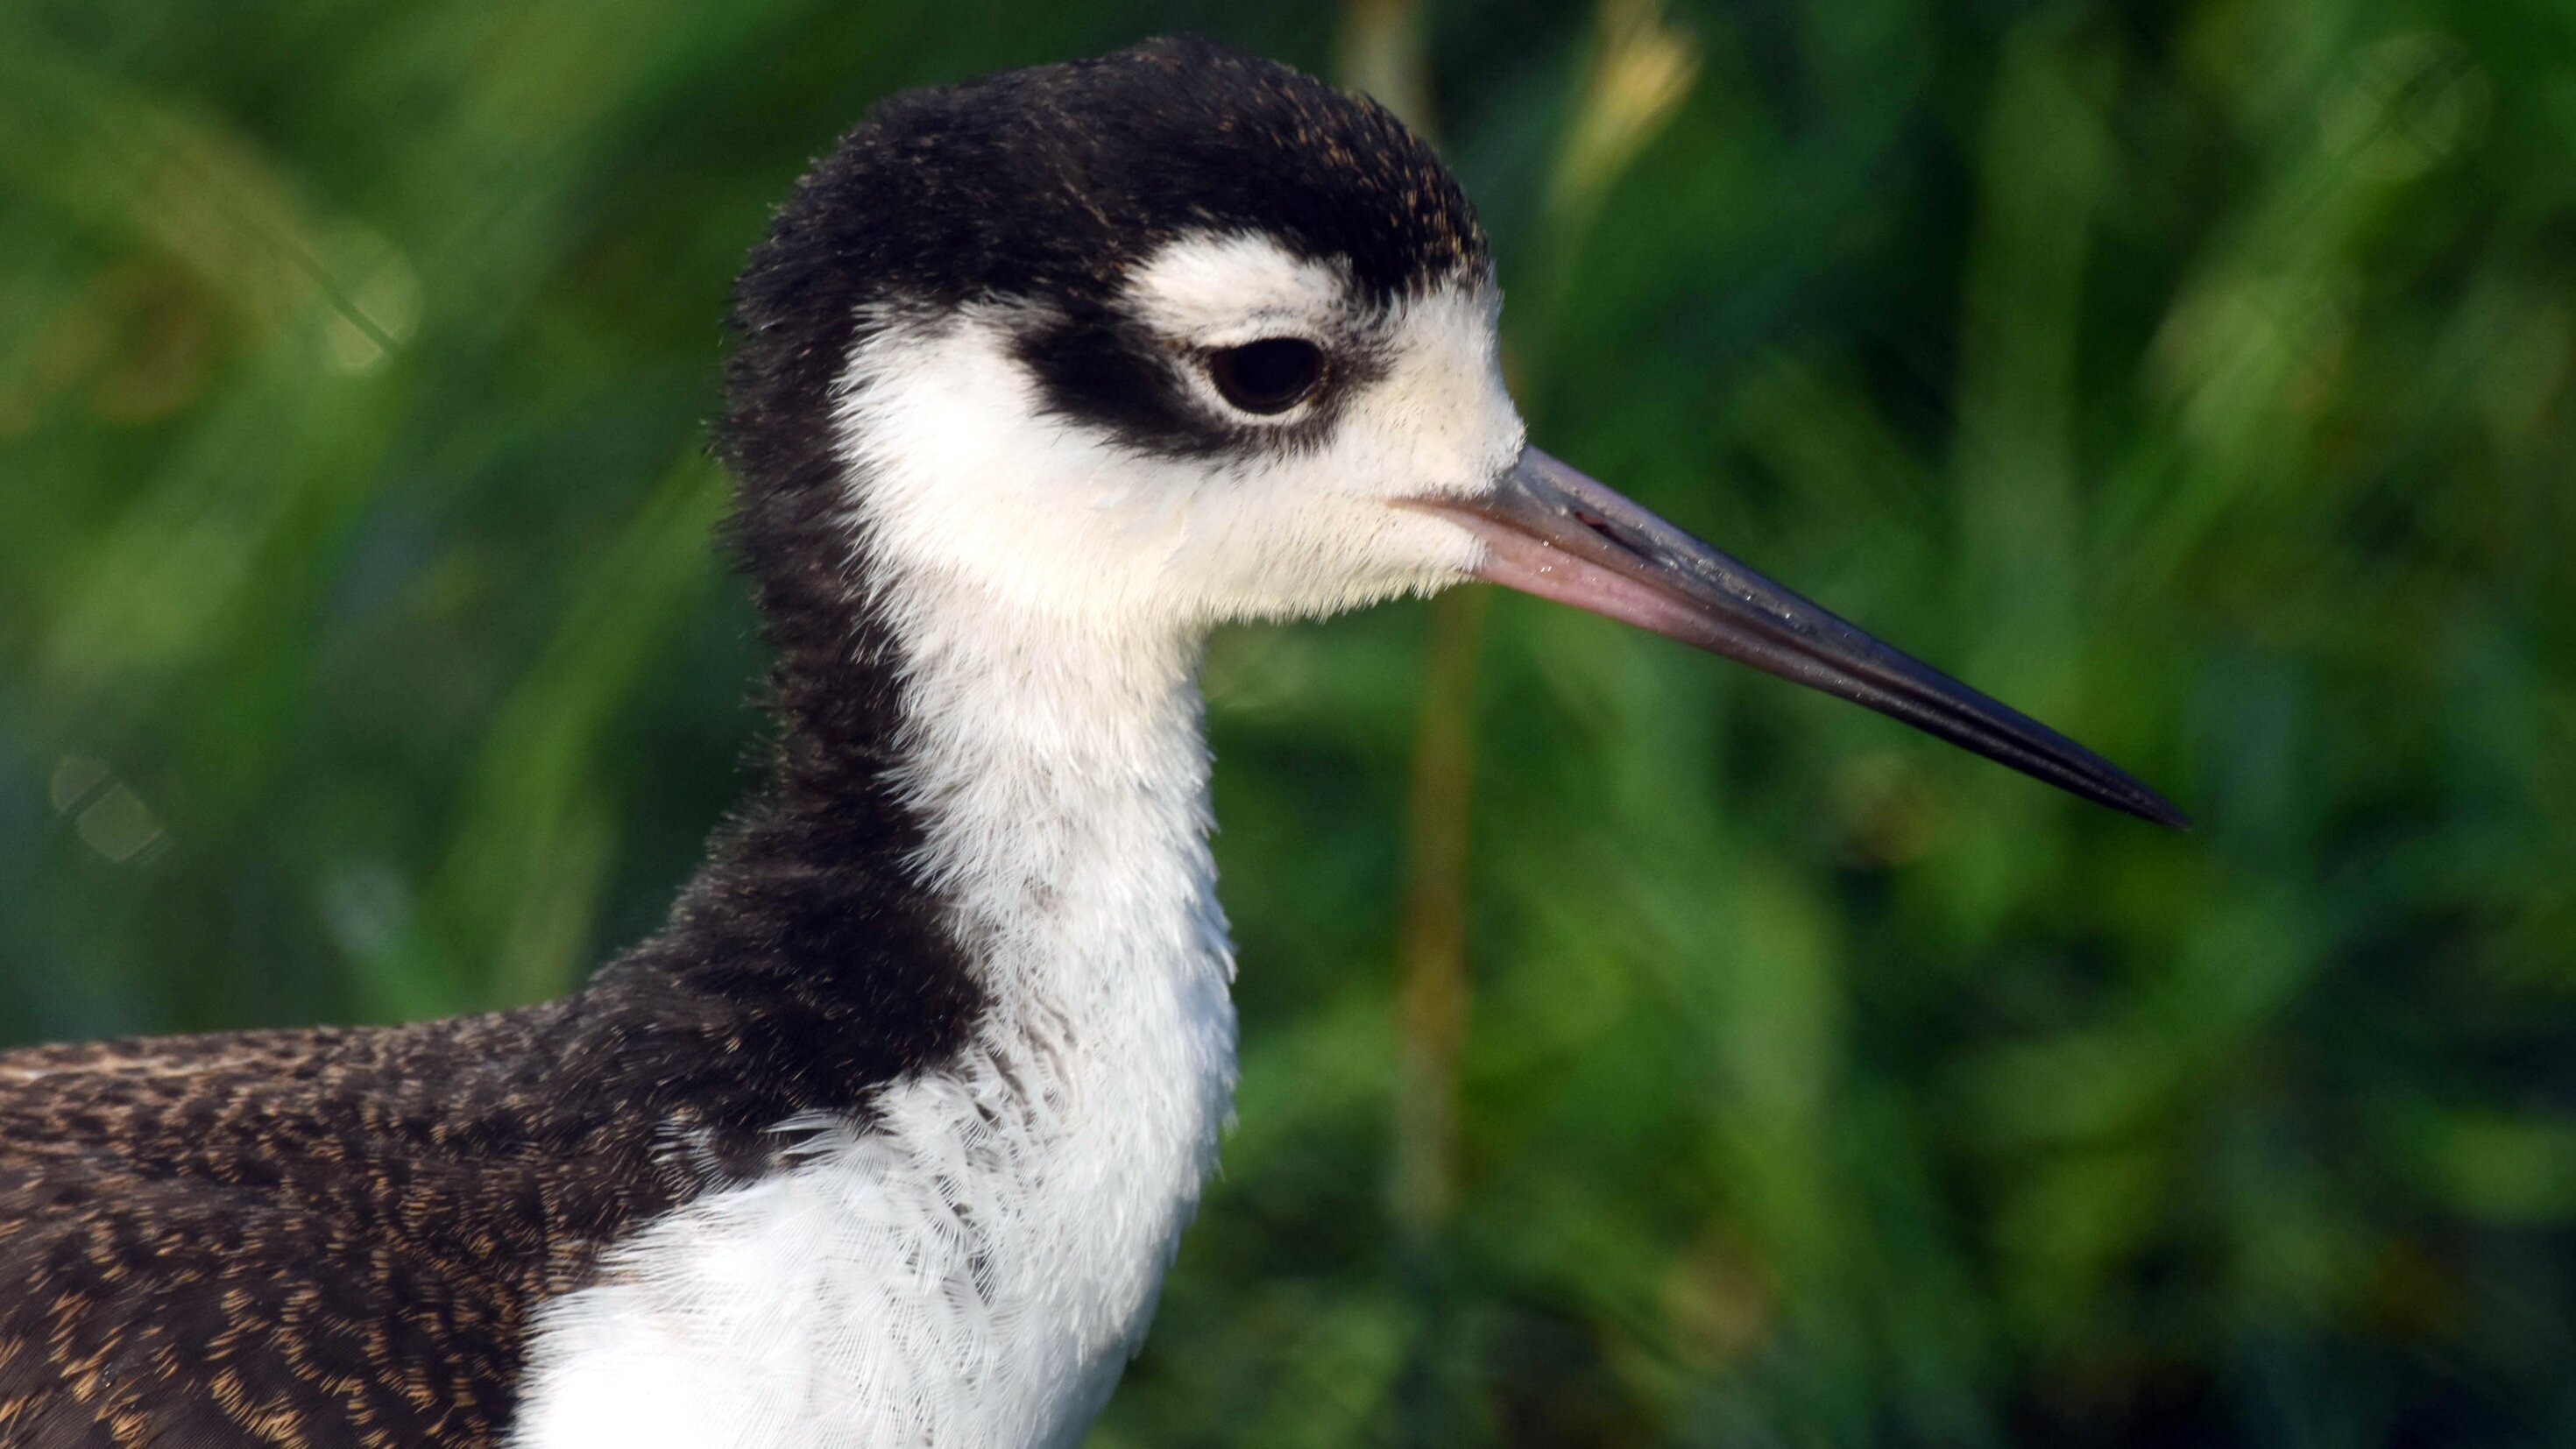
(1049, 181)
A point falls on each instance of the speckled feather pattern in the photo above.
(337, 1236)
(292, 1237)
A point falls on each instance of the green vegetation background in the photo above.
(1637, 1051)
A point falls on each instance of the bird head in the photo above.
(1135, 346)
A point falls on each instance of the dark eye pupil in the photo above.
(1269, 376)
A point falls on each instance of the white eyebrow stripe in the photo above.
(1218, 288)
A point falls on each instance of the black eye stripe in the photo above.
(1268, 376)
(1135, 384)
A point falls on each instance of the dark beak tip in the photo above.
(2161, 811)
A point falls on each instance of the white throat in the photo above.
(1064, 779)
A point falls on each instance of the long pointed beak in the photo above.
(1551, 531)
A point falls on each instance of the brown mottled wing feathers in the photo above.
(287, 1238)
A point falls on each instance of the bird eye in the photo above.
(1268, 376)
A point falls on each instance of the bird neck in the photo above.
(1058, 768)
(978, 819)
(970, 1030)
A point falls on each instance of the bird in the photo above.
(887, 1136)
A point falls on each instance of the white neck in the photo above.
(1048, 758)
(973, 1264)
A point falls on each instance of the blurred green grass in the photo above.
(2194, 374)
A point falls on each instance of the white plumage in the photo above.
(974, 1266)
